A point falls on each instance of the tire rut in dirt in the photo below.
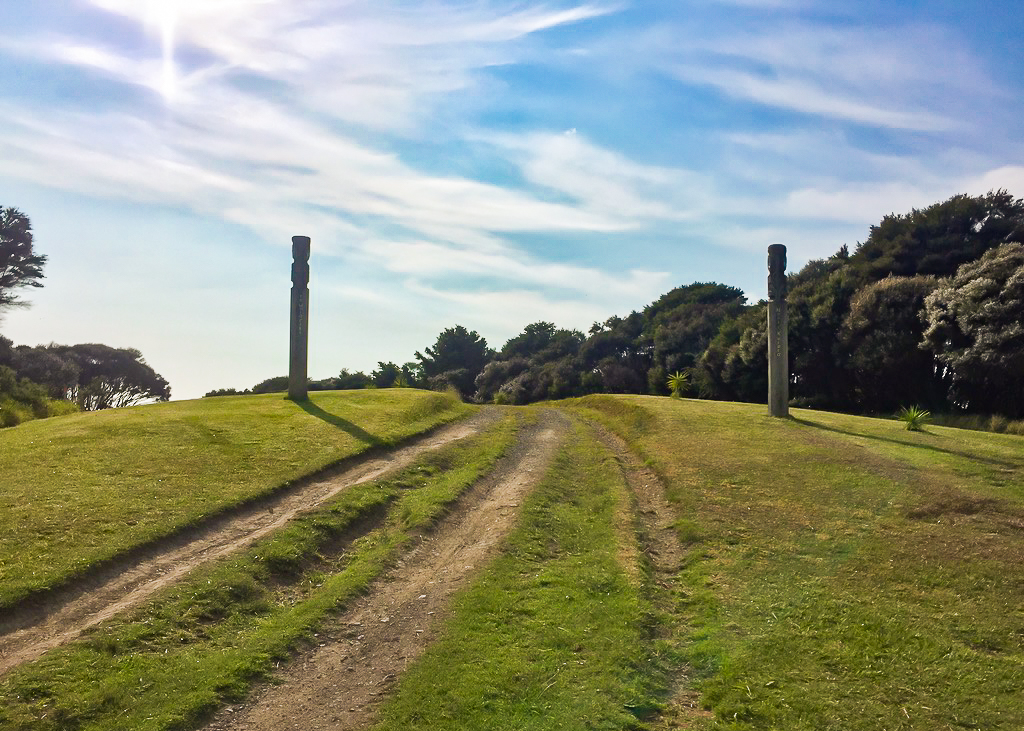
(30, 630)
(339, 684)
(655, 524)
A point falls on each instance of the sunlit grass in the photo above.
(553, 635)
(844, 573)
(203, 642)
(85, 487)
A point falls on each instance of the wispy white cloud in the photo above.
(218, 139)
(764, 4)
(504, 312)
(603, 180)
(384, 70)
(911, 78)
(810, 97)
(426, 259)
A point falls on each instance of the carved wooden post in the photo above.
(778, 333)
(298, 352)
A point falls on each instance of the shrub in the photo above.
(22, 400)
(998, 424)
(914, 417)
(678, 383)
(224, 392)
(59, 407)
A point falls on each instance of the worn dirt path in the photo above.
(28, 632)
(361, 653)
(655, 518)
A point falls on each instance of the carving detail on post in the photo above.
(300, 261)
(778, 333)
(299, 341)
(776, 272)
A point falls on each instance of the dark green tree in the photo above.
(20, 266)
(938, 239)
(385, 375)
(456, 359)
(225, 392)
(350, 380)
(271, 385)
(6, 352)
(532, 340)
(735, 365)
(681, 325)
(616, 358)
(111, 377)
(819, 298)
(392, 375)
(539, 363)
(881, 337)
(51, 367)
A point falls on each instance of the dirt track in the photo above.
(30, 631)
(336, 685)
(665, 554)
(360, 654)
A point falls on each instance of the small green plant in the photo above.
(914, 417)
(678, 383)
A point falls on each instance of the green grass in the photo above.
(844, 573)
(86, 487)
(203, 642)
(554, 634)
(14, 412)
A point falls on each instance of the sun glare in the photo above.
(163, 14)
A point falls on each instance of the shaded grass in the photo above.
(844, 573)
(994, 422)
(86, 487)
(203, 642)
(14, 412)
(553, 634)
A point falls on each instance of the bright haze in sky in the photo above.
(487, 163)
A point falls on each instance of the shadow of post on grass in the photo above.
(1005, 463)
(345, 425)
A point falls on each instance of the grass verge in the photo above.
(993, 422)
(553, 634)
(86, 487)
(844, 573)
(206, 640)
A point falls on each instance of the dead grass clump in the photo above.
(954, 502)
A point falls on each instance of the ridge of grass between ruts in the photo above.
(204, 641)
(553, 634)
(844, 573)
(84, 488)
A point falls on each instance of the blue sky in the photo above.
(485, 163)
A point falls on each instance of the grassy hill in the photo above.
(843, 573)
(85, 487)
(840, 573)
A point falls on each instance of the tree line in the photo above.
(46, 380)
(927, 310)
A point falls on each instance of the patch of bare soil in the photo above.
(338, 684)
(29, 631)
(665, 553)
